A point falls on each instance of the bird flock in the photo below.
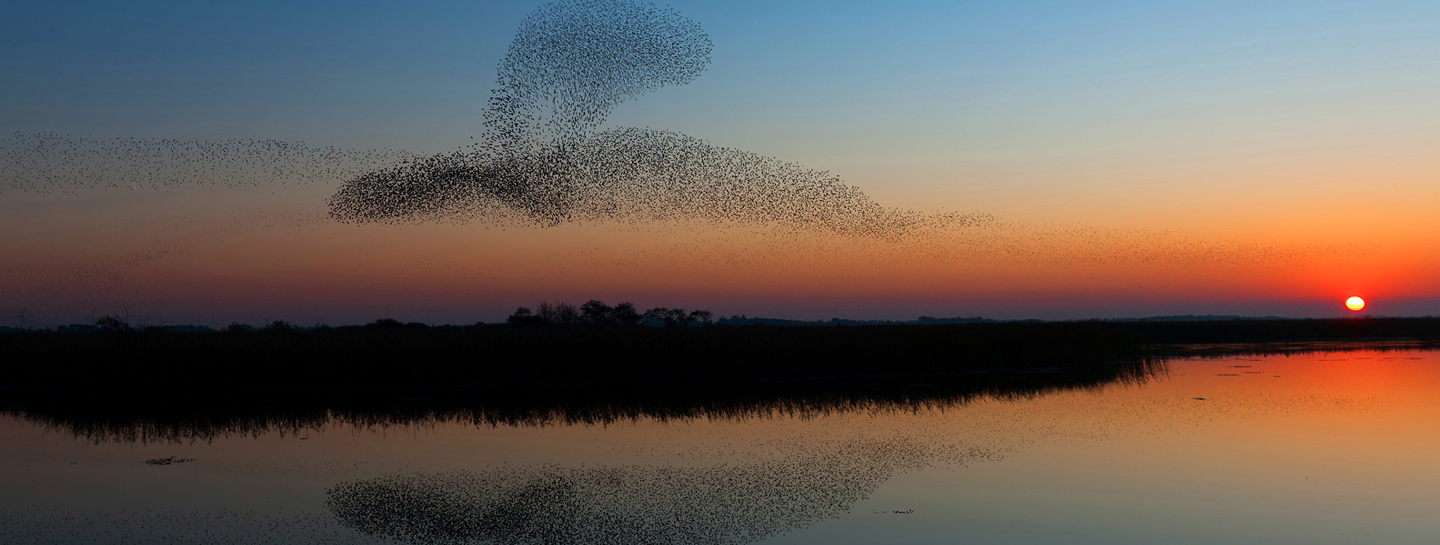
(544, 158)
(46, 162)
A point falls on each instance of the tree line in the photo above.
(598, 314)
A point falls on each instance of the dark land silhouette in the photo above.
(126, 415)
(116, 381)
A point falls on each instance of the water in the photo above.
(1336, 447)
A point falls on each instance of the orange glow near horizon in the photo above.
(252, 256)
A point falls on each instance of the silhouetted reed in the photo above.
(130, 385)
(1281, 330)
(388, 353)
(150, 419)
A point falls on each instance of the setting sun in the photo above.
(1355, 303)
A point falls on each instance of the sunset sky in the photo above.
(1129, 158)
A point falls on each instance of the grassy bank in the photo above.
(192, 385)
(164, 418)
(389, 355)
(378, 356)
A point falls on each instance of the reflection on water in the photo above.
(1302, 446)
(636, 504)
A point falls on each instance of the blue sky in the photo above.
(416, 74)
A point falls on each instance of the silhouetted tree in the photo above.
(279, 326)
(523, 318)
(546, 312)
(558, 313)
(597, 313)
(625, 314)
(566, 314)
(386, 323)
(658, 314)
(679, 318)
(113, 323)
(673, 317)
(703, 316)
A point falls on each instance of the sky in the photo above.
(1134, 158)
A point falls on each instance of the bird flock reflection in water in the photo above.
(175, 527)
(625, 505)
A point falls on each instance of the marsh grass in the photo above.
(136, 386)
(350, 357)
(295, 412)
(388, 354)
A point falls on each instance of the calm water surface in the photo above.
(1314, 448)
